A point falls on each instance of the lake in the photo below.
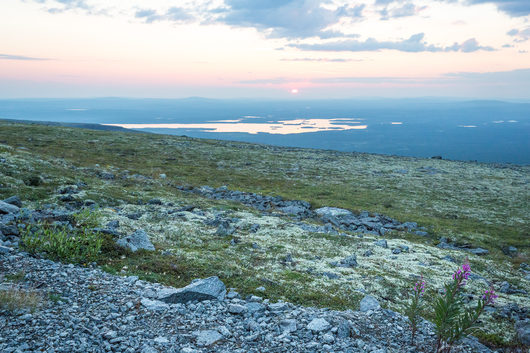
(486, 131)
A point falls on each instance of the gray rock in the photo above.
(224, 230)
(155, 305)
(5, 249)
(396, 251)
(14, 200)
(369, 303)
(319, 325)
(509, 250)
(344, 329)
(136, 241)
(276, 307)
(207, 337)
(7, 208)
(523, 331)
(288, 325)
(507, 288)
(350, 261)
(205, 289)
(254, 307)
(236, 309)
(332, 212)
(368, 253)
(478, 251)
(421, 233)
(382, 243)
(232, 294)
(328, 338)
(156, 202)
(113, 224)
(330, 275)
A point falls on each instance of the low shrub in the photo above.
(60, 243)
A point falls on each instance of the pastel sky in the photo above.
(267, 48)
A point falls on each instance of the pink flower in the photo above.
(489, 296)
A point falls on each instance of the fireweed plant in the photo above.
(415, 306)
(452, 319)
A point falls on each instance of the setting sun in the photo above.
(294, 91)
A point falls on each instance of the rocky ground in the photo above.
(87, 310)
(79, 309)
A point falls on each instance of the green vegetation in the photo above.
(63, 244)
(15, 277)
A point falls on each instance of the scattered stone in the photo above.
(369, 303)
(156, 202)
(288, 325)
(523, 331)
(14, 200)
(332, 212)
(318, 325)
(136, 241)
(210, 288)
(207, 337)
(368, 253)
(510, 251)
(330, 275)
(344, 329)
(478, 251)
(155, 305)
(350, 261)
(507, 288)
(7, 208)
(236, 309)
(382, 243)
(277, 307)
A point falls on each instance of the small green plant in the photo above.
(452, 319)
(415, 306)
(86, 218)
(54, 297)
(60, 243)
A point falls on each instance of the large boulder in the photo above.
(136, 241)
(210, 288)
(7, 208)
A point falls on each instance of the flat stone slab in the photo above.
(207, 337)
(318, 325)
(211, 288)
(369, 303)
(136, 241)
(332, 212)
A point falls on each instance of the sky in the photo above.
(282, 49)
